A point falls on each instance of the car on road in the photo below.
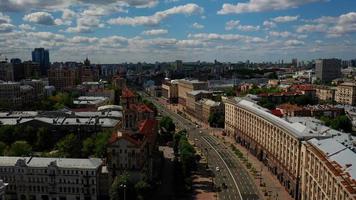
(196, 139)
(196, 126)
(200, 131)
(217, 169)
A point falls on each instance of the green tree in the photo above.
(43, 139)
(342, 123)
(101, 142)
(19, 148)
(6, 134)
(142, 189)
(88, 147)
(167, 123)
(2, 148)
(116, 189)
(69, 146)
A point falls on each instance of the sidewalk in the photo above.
(270, 184)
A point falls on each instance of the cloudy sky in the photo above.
(114, 31)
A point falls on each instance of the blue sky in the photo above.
(115, 31)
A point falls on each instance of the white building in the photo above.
(37, 178)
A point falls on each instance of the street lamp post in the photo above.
(124, 186)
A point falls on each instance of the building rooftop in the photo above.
(196, 92)
(337, 152)
(296, 130)
(41, 162)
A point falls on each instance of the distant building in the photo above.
(62, 77)
(346, 93)
(324, 93)
(185, 86)
(41, 56)
(119, 82)
(2, 189)
(327, 70)
(31, 69)
(6, 71)
(170, 91)
(10, 95)
(51, 178)
(295, 62)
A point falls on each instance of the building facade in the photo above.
(170, 91)
(346, 94)
(62, 77)
(327, 171)
(185, 86)
(272, 140)
(38, 178)
(324, 93)
(327, 70)
(41, 56)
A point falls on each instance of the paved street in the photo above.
(239, 184)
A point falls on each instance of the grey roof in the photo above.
(337, 152)
(196, 92)
(41, 162)
(296, 130)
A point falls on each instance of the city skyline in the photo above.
(151, 30)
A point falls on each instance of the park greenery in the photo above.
(24, 140)
(217, 120)
(124, 188)
(167, 129)
(185, 161)
(341, 123)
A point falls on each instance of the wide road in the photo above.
(239, 184)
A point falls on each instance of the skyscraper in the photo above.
(327, 69)
(41, 56)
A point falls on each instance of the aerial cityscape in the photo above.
(177, 100)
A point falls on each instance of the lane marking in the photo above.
(233, 178)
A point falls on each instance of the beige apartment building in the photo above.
(346, 93)
(62, 77)
(170, 91)
(327, 170)
(308, 163)
(272, 140)
(185, 86)
(324, 93)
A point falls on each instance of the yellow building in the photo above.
(185, 86)
(346, 93)
(310, 164)
(272, 140)
(324, 93)
(327, 171)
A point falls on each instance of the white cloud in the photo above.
(312, 28)
(227, 37)
(47, 36)
(81, 39)
(294, 43)
(26, 27)
(4, 19)
(248, 28)
(346, 24)
(5, 28)
(43, 18)
(155, 19)
(86, 24)
(284, 19)
(232, 24)
(196, 25)
(269, 24)
(155, 32)
(261, 5)
(68, 14)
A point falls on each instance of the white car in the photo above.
(200, 132)
(217, 169)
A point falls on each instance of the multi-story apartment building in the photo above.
(2, 189)
(346, 93)
(324, 93)
(10, 94)
(31, 69)
(170, 91)
(271, 139)
(6, 71)
(62, 77)
(193, 97)
(38, 178)
(119, 82)
(327, 170)
(185, 86)
(327, 70)
(312, 162)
